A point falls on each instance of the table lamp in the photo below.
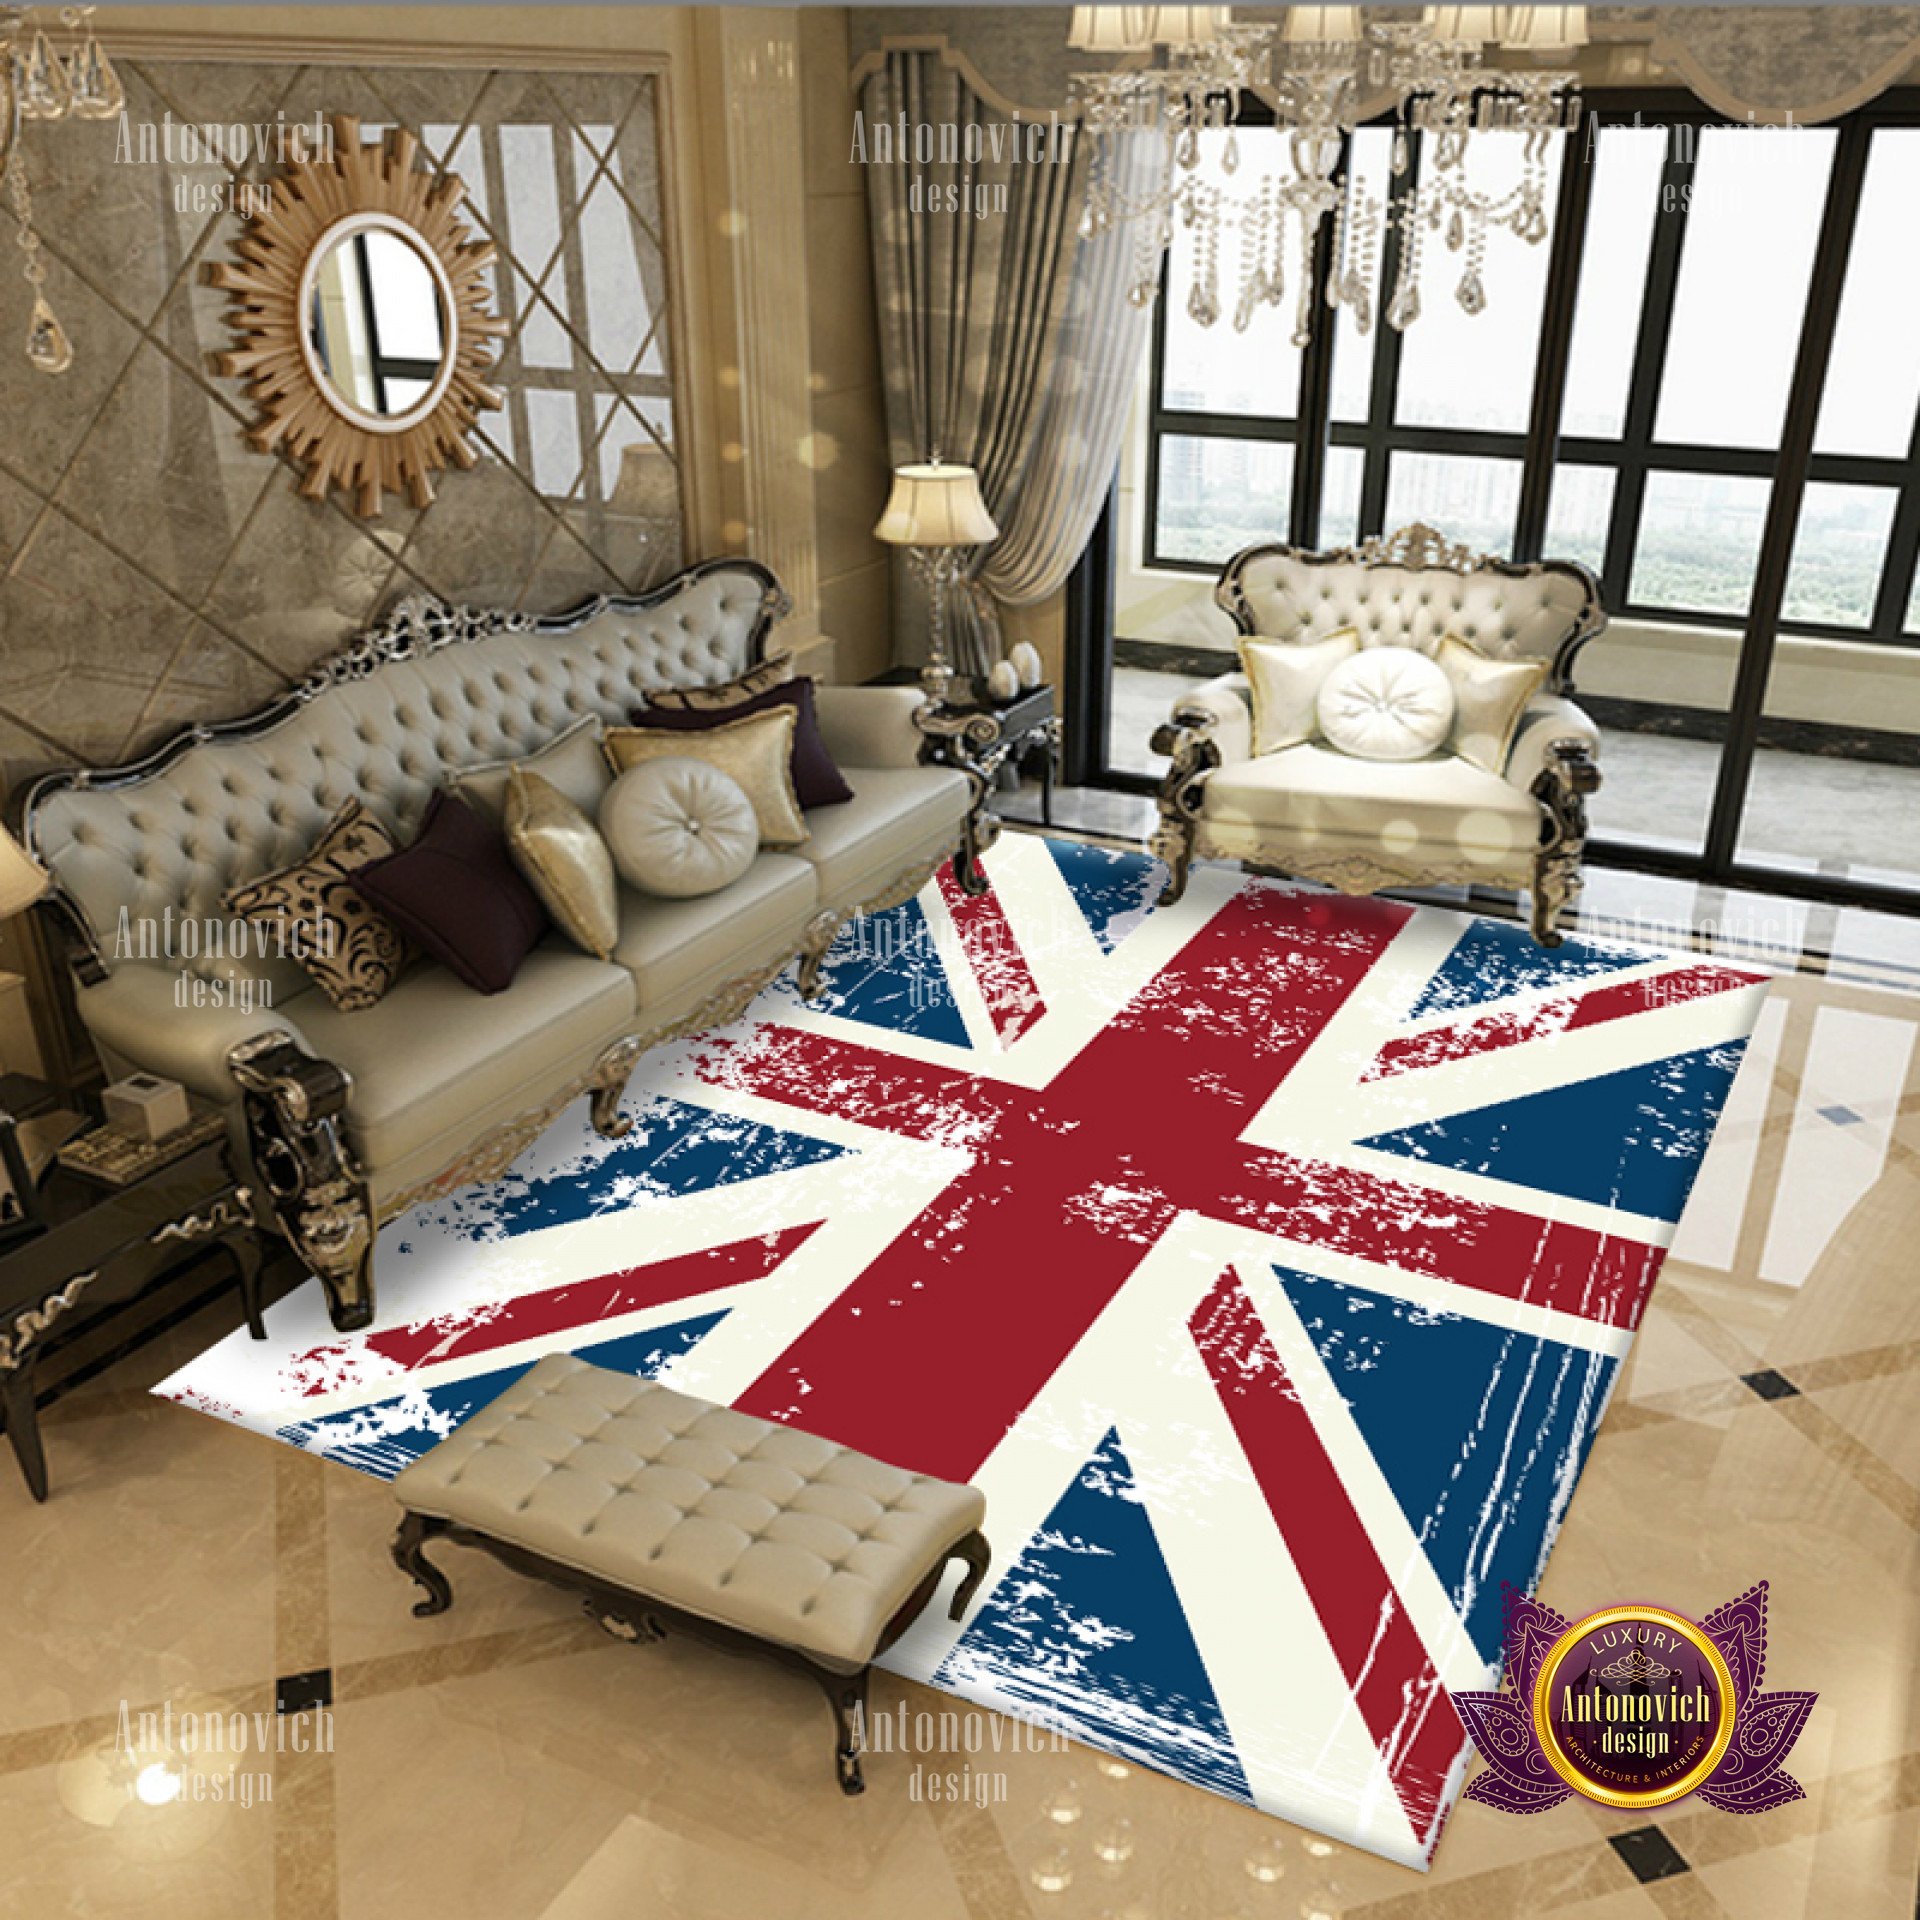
(935, 511)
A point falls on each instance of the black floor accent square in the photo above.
(1649, 1854)
(1770, 1385)
(301, 1692)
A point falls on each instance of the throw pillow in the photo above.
(817, 782)
(1489, 697)
(757, 752)
(1284, 677)
(1388, 703)
(572, 762)
(560, 852)
(456, 895)
(355, 953)
(679, 828)
(729, 693)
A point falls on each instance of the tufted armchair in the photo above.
(1363, 825)
(344, 1120)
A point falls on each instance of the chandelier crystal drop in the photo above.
(1324, 69)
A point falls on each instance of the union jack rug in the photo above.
(1267, 1260)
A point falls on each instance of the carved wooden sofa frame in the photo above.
(290, 1119)
(1261, 581)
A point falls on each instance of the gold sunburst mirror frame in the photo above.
(304, 309)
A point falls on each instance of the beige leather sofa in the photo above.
(348, 1119)
(1366, 825)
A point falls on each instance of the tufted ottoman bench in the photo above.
(667, 1511)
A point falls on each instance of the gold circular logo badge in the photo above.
(1634, 1706)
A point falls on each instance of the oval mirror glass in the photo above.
(377, 323)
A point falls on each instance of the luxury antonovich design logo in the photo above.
(1634, 1706)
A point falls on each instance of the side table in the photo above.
(96, 1249)
(977, 735)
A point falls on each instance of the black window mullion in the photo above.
(1789, 490)
(1903, 550)
(1383, 393)
(1556, 350)
(1649, 366)
(1315, 400)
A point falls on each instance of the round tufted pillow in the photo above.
(1388, 703)
(679, 827)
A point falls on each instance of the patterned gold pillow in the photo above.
(729, 693)
(560, 853)
(757, 752)
(353, 952)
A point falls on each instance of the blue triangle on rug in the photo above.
(1631, 1139)
(387, 1435)
(1481, 1432)
(1114, 890)
(672, 1148)
(1086, 1633)
(1490, 961)
(884, 971)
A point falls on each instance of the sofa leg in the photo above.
(611, 1072)
(979, 1557)
(295, 1109)
(822, 930)
(981, 830)
(1189, 744)
(415, 1531)
(1569, 776)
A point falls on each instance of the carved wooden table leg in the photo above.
(848, 1696)
(23, 1427)
(978, 1556)
(415, 1531)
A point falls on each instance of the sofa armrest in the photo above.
(1547, 718)
(1217, 711)
(870, 726)
(145, 1013)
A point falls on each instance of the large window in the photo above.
(1637, 425)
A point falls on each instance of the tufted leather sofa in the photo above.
(347, 1119)
(1364, 825)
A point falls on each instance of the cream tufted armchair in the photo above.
(1364, 825)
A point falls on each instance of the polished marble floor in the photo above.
(506, 1762)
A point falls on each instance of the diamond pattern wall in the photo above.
(154, 570)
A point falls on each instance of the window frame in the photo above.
(1541, 447)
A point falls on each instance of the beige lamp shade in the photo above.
(936, 505)
(1141, 29)
(1465, 26)
(1323, 26)
(1543, 29)
(649, 482)
(22, 878)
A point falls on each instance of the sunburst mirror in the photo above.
(364, 317)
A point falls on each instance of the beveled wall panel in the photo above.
(153, 568)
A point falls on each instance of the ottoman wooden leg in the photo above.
(415, 1531)
(978, 1556)
(847, 1692)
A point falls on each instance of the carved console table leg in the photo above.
(415, 1531)
(1569, 776)
(23, 1427)
(295, 1108)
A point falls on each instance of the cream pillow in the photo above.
(1489, 697)
(563, 859)
(679, 828)
(1284, 677)
(571, 762)
(756, 752)
(1388, 703)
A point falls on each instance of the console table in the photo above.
(95, 1249)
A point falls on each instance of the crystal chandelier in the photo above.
(37, 82)
(1318, 74)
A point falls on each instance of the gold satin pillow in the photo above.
(1489, 697)
(729, 693)
(563, 859)
(757, 752)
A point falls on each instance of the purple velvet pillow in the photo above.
(817, 782)
(457, 895)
